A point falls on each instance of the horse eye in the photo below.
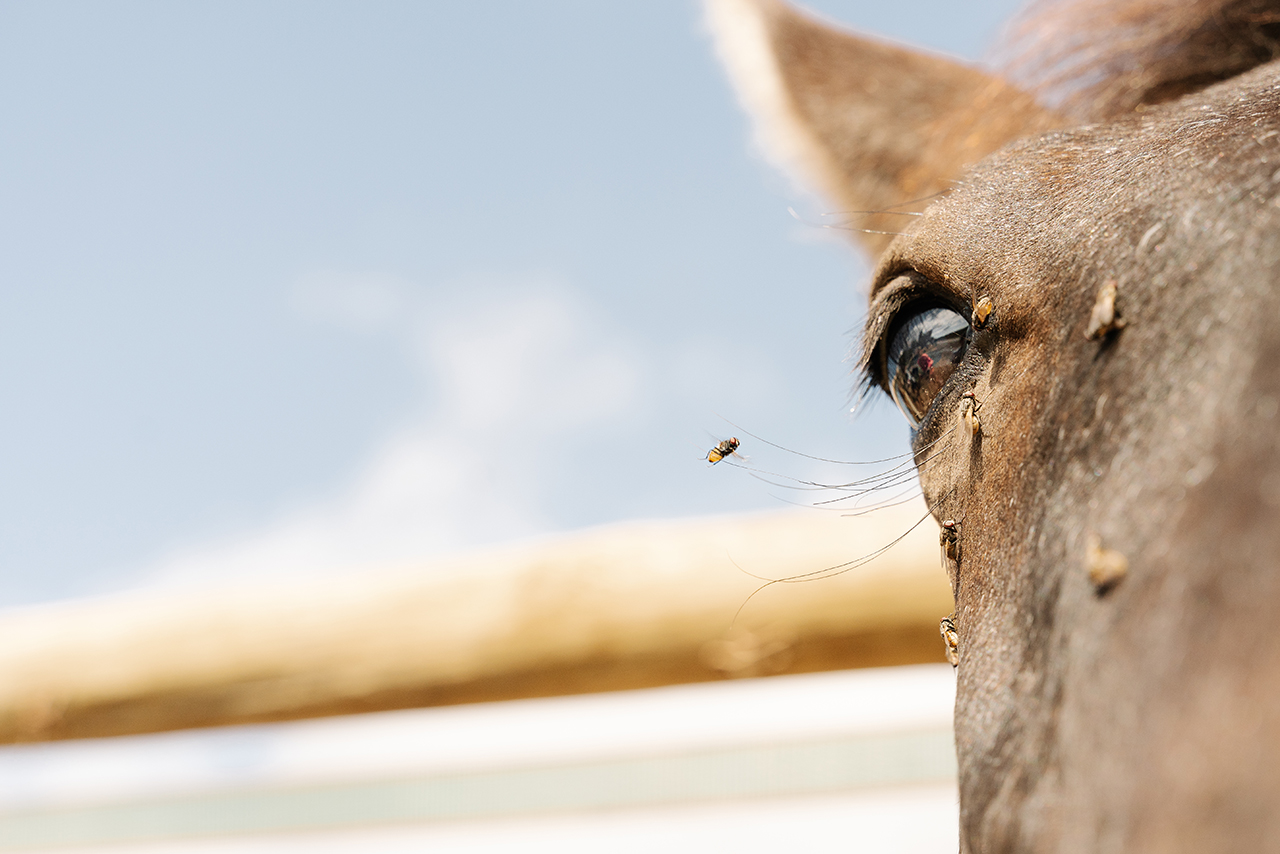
(923, 353)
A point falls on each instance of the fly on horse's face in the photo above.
(1084, 332)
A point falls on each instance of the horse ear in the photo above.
(873, 126)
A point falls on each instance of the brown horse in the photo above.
(1082, 324)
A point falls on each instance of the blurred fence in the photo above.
(624, 606)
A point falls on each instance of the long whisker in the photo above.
(871, 484)
(886, 211)
(914, 484)
(827, 572)
(840, 569)
(887, 477)
(845, 510)
(929, 197)
(744, 431)
(858, 509)
(911, 495)
(845, 227)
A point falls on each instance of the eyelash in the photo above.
(911, 298)
(886, 310)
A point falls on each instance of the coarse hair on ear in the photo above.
(1098, 59)
(871, 125)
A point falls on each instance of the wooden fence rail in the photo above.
(625, 606)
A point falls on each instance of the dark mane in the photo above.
(1096, 59)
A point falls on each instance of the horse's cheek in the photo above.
(983, 479)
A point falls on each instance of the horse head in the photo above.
(1081, 324)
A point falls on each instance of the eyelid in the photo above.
(905, 288)
(889, 300)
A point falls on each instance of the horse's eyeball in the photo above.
(923, 353)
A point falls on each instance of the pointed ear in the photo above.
(871, 125)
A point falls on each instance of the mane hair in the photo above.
(1098, 59)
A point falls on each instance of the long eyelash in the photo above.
(864, 383)
(883, 310)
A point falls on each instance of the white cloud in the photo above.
(535, 361)
(507, 374)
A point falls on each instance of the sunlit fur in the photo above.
(1142, 714)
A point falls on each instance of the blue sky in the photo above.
(287, 287)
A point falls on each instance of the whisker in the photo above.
(905, 478)
(854, 487)
(857, 509)
(875, 213)
(889, 477)
(890, 208)
(851, 494)
(924, 198)
(827, 572)
(911, 495)
(830, 501)
(843, 227)
(889, 211)
(747, 432)
(841, 568)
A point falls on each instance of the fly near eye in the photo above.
(727, 448)
(923, 353)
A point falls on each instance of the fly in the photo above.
(726, 448)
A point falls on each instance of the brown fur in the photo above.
(1146, 718)
(888, 128)
(1097, 59)
(1141, 714)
